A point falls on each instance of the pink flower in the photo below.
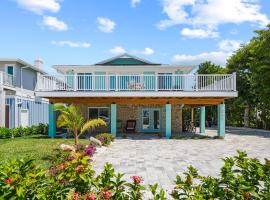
(91, 196)
(9, 181)
(70, 158)
(79, 169)
(136, 179)
(106, 195)
(62, 166)
(76, 196)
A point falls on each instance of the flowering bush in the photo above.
(241, 178)
(105, 138)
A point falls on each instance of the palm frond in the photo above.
(92, 123)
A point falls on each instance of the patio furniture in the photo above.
(131, 126)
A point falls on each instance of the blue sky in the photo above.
(164, 31)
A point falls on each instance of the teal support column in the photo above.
(113, 119)
(52, 127)
(221, 120)
(168, 122)
(202, 120)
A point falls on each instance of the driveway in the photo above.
(160, 160)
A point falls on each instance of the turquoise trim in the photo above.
(149, 81)
(70, 79)
(113, 119)
(221, 120)
(151, 120)
(202, 120)
(52, 127)
(125, 61)
(100, 81)
(168, 131)
(179, 80)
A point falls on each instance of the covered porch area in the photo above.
(155, 115)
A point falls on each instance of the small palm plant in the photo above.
(72, 119)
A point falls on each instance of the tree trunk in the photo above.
(246, 115)
(76, 136)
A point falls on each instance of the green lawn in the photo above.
(36, 147)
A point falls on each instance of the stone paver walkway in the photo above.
(160, 160)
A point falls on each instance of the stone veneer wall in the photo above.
(126, 112)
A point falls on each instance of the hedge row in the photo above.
(40, 129)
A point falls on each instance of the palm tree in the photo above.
(72, 119)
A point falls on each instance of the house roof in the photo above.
(122, 62)
(126, 59)
(23, 63)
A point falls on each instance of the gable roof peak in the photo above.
(125, 56)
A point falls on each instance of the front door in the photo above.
(150, 120)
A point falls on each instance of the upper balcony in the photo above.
(7, 79)
(133, 85)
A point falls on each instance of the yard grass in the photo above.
(35, 147)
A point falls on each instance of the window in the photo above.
(10, 69)
(99, 112)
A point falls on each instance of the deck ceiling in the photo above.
(137, 101)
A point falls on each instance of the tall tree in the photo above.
(252, 65)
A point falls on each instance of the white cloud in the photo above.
(118, 50)
(39, 6)
(71, 44)
(226, 49)
(229, 45)
(134, 3)
(147, 51)
(105, 25)
(218, 57)
(199, 33)
(211, 13)
(54, 24)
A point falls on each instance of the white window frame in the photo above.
(99, 107)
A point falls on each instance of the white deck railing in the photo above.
(127, 82)
(7, 79)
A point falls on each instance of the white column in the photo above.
(2, 108)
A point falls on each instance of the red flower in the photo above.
(62, 166)
(136, 179)
(76, 196)
(106, 195)
(91, 196)
(9, 181)
(79, 169)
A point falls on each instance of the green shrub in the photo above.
(40, 129)
(72, 177)
(105, 138)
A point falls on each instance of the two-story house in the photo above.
(18, 104)
(127, 88)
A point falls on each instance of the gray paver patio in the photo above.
(160, 160)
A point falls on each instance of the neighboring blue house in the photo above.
(18, 104)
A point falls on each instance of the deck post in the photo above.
(202, 120)
(168, 121)
(221, 120)
(113, 119)
(52, 120)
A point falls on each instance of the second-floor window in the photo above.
(10, 70)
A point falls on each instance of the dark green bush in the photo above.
(40, 129)
(105, 138)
